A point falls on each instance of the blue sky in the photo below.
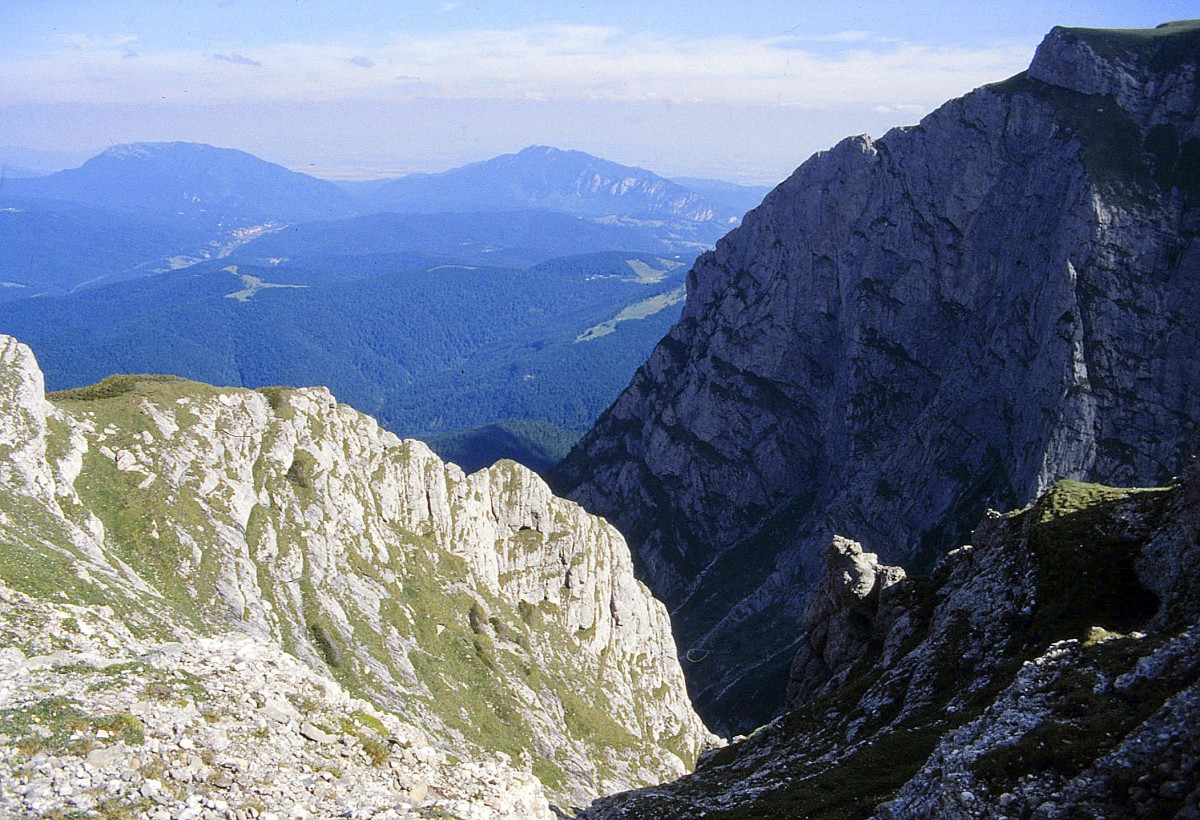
(350, 89)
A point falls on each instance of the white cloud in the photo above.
(542, 62)
(237, 59)
(901, 108)
(845, 37)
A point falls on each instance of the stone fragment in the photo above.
(106, 758)
(316, 734)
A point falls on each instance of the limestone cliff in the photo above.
(908, 330)
(488, 615)
(1049, 670)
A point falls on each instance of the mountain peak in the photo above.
(1118, 62)
(130, 150)
(149, 150)
(545, 177)
(193, 183)
(544, 150)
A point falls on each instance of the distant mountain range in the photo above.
(522, 290)
(569, 181)
(148, 207)
(191, 184)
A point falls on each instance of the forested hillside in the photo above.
(425, 349)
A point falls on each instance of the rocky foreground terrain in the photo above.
(95, 720)
(262, 602)
(1051, 669)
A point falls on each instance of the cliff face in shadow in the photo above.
(910, 330)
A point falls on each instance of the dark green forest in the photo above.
(427, 350)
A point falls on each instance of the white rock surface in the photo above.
(187, 738)
(494, 615)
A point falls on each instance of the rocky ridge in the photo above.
(488, 615)
(907, 331)
(1049, 670)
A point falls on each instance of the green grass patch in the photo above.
(29, 564)
(276, 397)
(111, 387)
(377, 750)
(325, 642)
(369, 721)
(300, 472)
(587, 718)
(56, 724)
(549, 773)
(1085, 554)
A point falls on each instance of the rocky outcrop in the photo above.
(488, 614)
(1048, 670)
(907, 331)
(844, 611)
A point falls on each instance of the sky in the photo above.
(358, 89)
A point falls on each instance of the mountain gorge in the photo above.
(906, 332)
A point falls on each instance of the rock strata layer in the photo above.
(908, 330)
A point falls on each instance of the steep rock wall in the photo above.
(907, 331)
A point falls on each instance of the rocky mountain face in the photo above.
(209, 575)
(1049, 670)
(910, 330)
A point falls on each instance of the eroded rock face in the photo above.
(481, 609)
(841, 617)
(907, 331)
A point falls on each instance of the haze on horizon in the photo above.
(349, 90)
